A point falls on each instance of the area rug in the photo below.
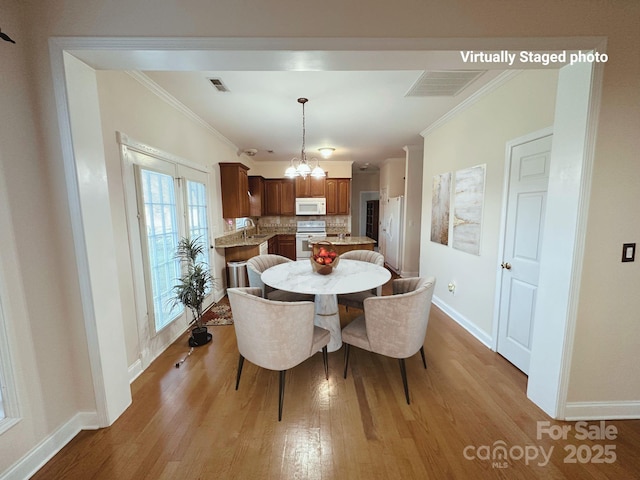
(218, 314)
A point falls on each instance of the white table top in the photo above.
(348, 277)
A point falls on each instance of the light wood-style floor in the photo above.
(190, 423)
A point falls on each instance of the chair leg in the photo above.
(240, 364)
(403, 372)
(424, 360)
(281, 399)
(346, 358)
(325, 359)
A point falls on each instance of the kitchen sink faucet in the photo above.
(247, 223)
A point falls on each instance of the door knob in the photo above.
(506, 265)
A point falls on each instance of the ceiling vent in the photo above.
(217, 83)
(443, 83)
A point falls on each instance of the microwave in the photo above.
(311, 206)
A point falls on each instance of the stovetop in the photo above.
(311, 226)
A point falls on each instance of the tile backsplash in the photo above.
(335, 224)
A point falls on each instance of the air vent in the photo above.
(443, 83)
(216, 82)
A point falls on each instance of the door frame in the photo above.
(151, 343)
(82, 149)
(510, 145)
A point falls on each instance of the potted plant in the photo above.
(193, 286)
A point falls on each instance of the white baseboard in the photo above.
(47, 448)
(135, 370)
(602, 411)
(464, 322)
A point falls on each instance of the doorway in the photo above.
(74, 79)
(527, 167)
(166, 200)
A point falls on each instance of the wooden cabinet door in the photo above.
(303, 187)
(287, 246)
(256, 201)
(272, 189)
(344, 196)
(287, 197)
(273, 245)
(338, 196)
(317, 187)
(310, 187)
(332, 196)
(234, 183)
(243, 192)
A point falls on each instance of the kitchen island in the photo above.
(346, 243)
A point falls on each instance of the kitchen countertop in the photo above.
(344, 241)
(252, 240)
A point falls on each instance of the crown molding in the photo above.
(497, 82)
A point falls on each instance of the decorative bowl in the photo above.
(324, 258)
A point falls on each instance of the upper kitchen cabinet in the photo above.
(311, 187)
(280, 198)
(338, 193)
(256, 199)
(234, 183)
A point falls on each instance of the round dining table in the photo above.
(348, 277)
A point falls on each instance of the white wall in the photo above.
(129, 107)
(412, 211)
(38, 214)
(478, 136)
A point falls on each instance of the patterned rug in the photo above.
(218, 314)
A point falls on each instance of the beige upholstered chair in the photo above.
(393, 325)
(258, 264)
(355, 299)
(275, 335)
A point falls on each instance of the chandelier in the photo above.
(299, 167)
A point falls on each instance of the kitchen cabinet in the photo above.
(234, 186)
(287, 246)
(311, 187)
(280, 196)
(256, 196)
(273, 245)
(338, 196)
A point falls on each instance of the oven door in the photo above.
(303, 247)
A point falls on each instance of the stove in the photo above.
(305, 230)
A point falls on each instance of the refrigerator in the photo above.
(393, 217)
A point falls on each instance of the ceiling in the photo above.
(366, 115)
(358, 89)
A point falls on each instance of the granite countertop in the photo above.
(343, 241)
(253, 240)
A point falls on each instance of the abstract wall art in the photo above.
(440, 207)
(467, 209)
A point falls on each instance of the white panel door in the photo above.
(529, 176)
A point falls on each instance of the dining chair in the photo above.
(356, 299)
(393, 325)
(258, 264)
(275, 335)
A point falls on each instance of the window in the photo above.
(197, 215)
(166, 198)
(161, 230)
(9, 413)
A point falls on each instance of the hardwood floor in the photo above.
(190, 423)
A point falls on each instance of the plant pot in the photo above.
(199, 336)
